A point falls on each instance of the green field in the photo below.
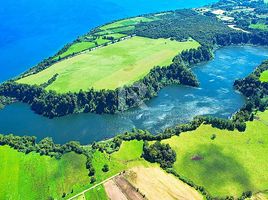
(117, 162)
(264, 76)
(263, 27)
(126, 22)
(77, 47)
(120, 160)
(97, 193)
(112, 66)
(229, 165)
(39, 177)
(42, 177)
(81, 46)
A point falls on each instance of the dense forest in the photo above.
(182, 24)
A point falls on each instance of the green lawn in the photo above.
(39, 177)
(263, 27)
(112, 66)
(126, 22)
(264, 76)
(232, 163)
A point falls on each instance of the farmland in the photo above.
(112, 30)
(39, 177)
(229, 164)
(110, 67)
(157, 184)
(127, 22)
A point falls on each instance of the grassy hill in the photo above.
(112, 66)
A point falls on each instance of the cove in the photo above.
(174, 104)
(32, 30)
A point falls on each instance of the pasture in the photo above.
(81, 46)
(98, 193)
(33, 176)
(112, 66)
(228, 165)
(127, 22)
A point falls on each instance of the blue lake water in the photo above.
(31, 30)
(174, 104)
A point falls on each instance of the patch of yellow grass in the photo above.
(157, 184)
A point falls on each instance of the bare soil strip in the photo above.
(130, 192)
(113, 191)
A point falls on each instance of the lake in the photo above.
(174, 104)
(32, 30)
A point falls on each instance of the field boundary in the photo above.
(94, 186)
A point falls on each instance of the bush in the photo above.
(213, 137)
(92, 179)
(105, 168)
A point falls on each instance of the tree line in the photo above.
(255, 91)
(5, 101)
(52, 104)
(47, 147)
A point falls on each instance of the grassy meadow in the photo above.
(97, 193)
(39, 177)
(228, 165)
(259, 26)
(112, 66)
(264, 76)
(127, 22)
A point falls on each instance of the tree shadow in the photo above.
(218, 173)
